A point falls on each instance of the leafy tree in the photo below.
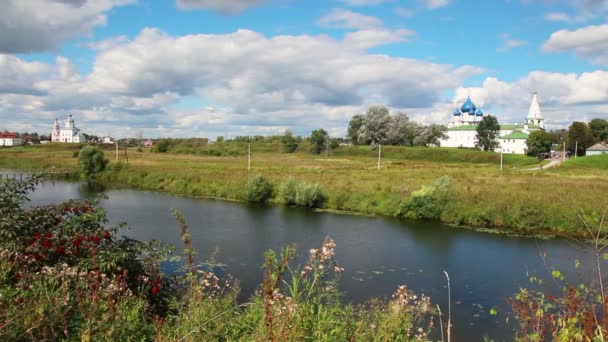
(488, 131)
(411, 134)
(353, 128)
(398, 128)
(539, 142)
(289, 142)
(430, 135)
(375, 125)
(558, 136)
(599, 127)
(580, 136)
(317, 140)
(91, 161)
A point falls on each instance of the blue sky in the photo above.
(238, 67)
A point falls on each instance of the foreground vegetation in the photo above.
(477, 193)
(65, 276)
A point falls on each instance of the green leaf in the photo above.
(577, 263)
(493, 312)
(557, 275)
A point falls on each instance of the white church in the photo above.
(512, 138)
(67, 134)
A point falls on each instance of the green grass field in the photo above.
(516, 198)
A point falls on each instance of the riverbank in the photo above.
(482, 196)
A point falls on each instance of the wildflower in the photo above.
(38, 236)
(96, 240)
(155, 290)
(47, 244)
(59, 250)
(75, 210)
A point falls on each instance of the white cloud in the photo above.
(434, 4)
(42, 25)
(588, 42)
(221, 6)
(405, 12)
(342, 18)
(365, 2)
(509, 43)
(241, 83)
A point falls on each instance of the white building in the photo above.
(462, 132)
(9, 139)
(107, 140)
(68, 134)
(597, 149)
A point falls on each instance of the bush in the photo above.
(65, 276)
(91, 161)
(301, 194)
(258, 190)
(161, 146)
(309, 195)
(427, 203)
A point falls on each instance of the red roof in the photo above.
(6, 135)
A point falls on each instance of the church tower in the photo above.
(535, 117)
(55, 132)
(70, 122)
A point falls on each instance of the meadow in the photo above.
(518, 199)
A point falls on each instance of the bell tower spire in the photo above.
(535, 116)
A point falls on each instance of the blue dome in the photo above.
(468, 106)
(479, 113)
(456, 112)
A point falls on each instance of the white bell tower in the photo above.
(535, 116)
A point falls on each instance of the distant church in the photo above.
(512, 138)
(68, 134)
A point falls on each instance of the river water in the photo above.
(378, 253)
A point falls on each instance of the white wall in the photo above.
(513, 146)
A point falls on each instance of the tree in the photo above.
(375, 125)
(398, 128)
(353, 128)
(539, 143)
(290, 144)
(580, 136)
(317, 140)
(488, 131)
(558, 136)
(91, 161)
(599, 127)
(430, 135)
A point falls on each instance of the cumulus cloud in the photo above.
(434, 4)
(587, 42)
(42, 25)
(254, 83)
(228, 7)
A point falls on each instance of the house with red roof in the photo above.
(9, 139)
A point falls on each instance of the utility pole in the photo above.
(326, 146)
(575, 148)
(116, 150)
(564, 154)
(501, 159)
(249, 156)
(379, 155)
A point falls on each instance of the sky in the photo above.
(208, 68)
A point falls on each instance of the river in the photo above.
(378, 254)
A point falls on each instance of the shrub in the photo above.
(161, 146)
(287, 191)
(309, 195)
(301, 194)
(91, 161)
(428, 202)
(258, 190)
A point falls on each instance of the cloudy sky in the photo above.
(195, 68)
